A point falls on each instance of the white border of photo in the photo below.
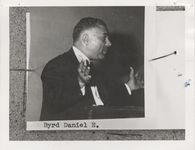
(188, 143)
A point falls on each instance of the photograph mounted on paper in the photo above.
(105, 67)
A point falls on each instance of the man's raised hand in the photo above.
(83, 74)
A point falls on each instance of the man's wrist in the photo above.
(132, 86)
(81, 83)
(82, 86)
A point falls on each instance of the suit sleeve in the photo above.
(61, 92)
(119, 95)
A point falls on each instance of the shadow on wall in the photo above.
(124, 52)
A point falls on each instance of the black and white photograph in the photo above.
(105, 66)
(85, 63)
(99, 72)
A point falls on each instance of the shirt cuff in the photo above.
(128, 89)
(83, 90)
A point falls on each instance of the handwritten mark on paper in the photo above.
(173, 53)
(179, 74)
(187, 83)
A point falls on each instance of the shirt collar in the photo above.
(80, 55)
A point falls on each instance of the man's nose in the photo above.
(108, 43)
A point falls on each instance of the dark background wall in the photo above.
(51, 32)
(17, 104)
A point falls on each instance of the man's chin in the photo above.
(101, 57)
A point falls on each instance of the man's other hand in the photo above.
(136, 81)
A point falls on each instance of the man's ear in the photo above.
(85, 39)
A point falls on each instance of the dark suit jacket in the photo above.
(62, 97)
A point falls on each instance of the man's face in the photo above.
(98, 43)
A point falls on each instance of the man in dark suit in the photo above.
(71, 83)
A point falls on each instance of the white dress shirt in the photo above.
(81, 57)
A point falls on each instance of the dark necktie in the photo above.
(89, 95)
(93, 74)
